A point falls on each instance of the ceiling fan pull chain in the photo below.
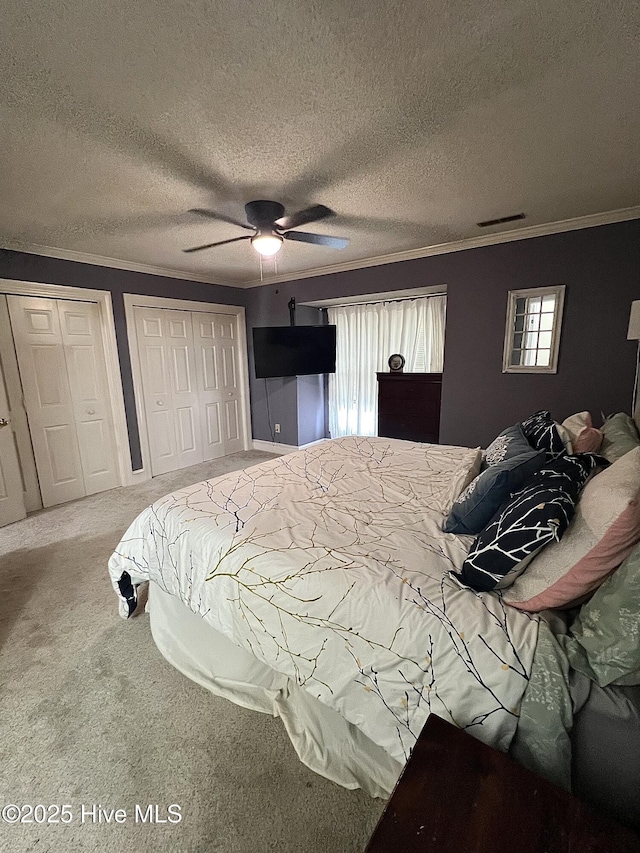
(260, 256)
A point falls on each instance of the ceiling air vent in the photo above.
(500, 221)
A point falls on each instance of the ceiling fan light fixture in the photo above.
(266, 243)
(271, 227)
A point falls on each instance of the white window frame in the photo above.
(558, 290)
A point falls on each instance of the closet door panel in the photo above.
(232, 421)
(12, 489)
(178, 336)
(164, 444)
(208, 377)
(13, 408)
(189, 365)
(156, 374)
(60, 443)
(86, 367)
(171, 403)
(156, 388)
(47, 394)
(228, 346)
(212, 424)
(187, 441)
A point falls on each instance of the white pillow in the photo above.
(609, 493)
(585, 438)
(566, 437)
(576, 423)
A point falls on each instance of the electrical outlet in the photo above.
(277, 427)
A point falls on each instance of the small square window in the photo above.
(544, 340)
(546, 322)
(533, 322)
(534, 319)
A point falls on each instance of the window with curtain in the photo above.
(366, 336)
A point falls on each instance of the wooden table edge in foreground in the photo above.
(458, 795)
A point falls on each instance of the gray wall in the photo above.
(24, 267)
(596, 366)
(297, 404)
(599, 266)
(600, 269)
(311, 409)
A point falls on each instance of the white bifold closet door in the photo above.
(188, 363)
(64, 380)
(216, 353)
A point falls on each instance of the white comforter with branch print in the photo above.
(330, 565)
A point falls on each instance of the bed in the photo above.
(321, 587)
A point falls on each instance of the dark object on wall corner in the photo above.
(294, 350)
(292, 311)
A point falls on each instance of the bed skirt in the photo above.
(324, 741)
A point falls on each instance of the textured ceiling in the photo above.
(413, 120)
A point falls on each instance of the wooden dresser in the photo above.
(409, 406)
(458, 795)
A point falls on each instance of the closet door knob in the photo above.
(91, 411)
(159, 403)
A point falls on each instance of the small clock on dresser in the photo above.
(396, 362)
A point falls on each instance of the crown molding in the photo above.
(524, 233)
(113, 263)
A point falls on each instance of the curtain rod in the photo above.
(382, 301)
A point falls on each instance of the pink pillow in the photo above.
(585, 438)
(589, 441)
(592, 570)
(604, 529)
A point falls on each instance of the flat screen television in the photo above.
(294, 350)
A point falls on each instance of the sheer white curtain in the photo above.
(366, 336)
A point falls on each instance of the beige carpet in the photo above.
(91, 714)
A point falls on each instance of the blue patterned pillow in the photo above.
(541, 432)
(484, 496)
(536, 516)
(511, 442)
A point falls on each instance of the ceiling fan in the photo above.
(271, 227)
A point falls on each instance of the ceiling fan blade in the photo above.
(318, 239)
(219, 243)
(303, 217)
(220, 217)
